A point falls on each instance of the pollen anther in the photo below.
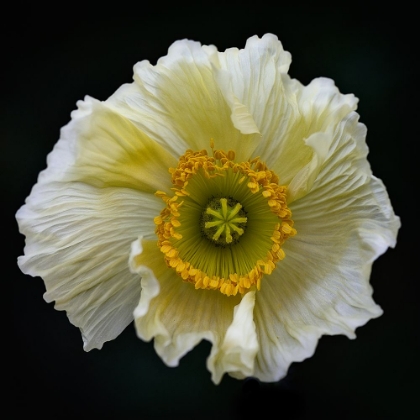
(224, 260)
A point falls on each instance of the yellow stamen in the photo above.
(226, 233)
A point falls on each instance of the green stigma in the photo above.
(223, 221)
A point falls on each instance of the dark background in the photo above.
(53, 59)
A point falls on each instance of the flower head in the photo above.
(213, 198)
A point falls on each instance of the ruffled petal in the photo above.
(237, 353)
(346, 191)
(178, 103)
(322, 285)
(247, 78)
(296, 122)
(178, 317)
(78, 239)
(112, 152)
(256, 78)
(324, 110)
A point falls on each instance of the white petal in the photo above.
(345, 186)
(255, 78)
(78, 240)
(178, 103)
(296, 122)
(322, 285)
(112, 151)
(322, 105)
(317, 289)
(323, 111)
(178, 317)
(148, 113)
(240, 114)
(240, 346)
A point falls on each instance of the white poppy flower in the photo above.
(213, 198)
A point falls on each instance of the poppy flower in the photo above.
(213, 198)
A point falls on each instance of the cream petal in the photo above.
(78, 240)
(112, 152)
(178, 103)
(247, 77)
(322, 105)
(317, 289)
(178, 317)
(304, 178)
(256, 78)
(324, 112)
(296, 122)
(145, 111)
(64, 154)
(322, 285)
(240, 114)
(237, 353)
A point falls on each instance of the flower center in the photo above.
(223, 221)
(224, 226)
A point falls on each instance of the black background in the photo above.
(56, 57)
